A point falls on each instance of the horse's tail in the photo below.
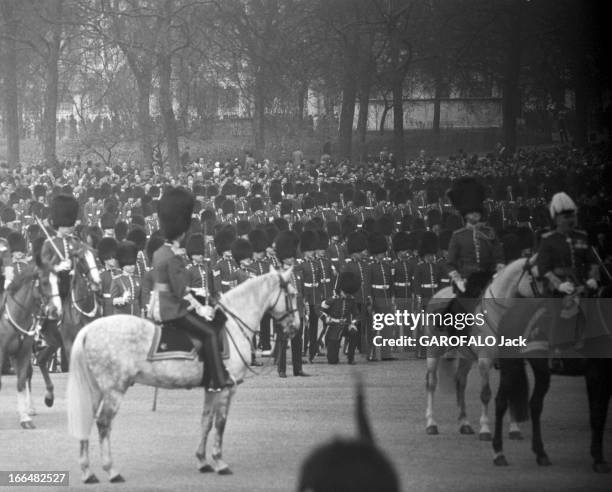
(518, 387)
(83, 394)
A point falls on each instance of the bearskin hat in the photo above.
(348, 194)
(199, 190)
(444, 239)
(175, 209)
(377, 244)
(127, 253)
(153, 244)
(359, 199)
(271, 232)
(107, 249)
(467, 194)
(208, 215)
(16, 242)
(223, 240)
(380, 194)
(241, 249)
(322, 239)
(243, 227)
(311, 225)
(7, 215)
(107, 221)
(139, 237)
(40, 190)
(218, 201)
(434, 217)
(286, 207)
(401, 241)
(276, 196)
(369, 225)
(356, 242)
(452, 222)
(308, 203)
(333, 228)
(428, 244)
(308, 241)
(286, 244)
(406, 223)
(281, 224)
(385, 225)
(121, 230)
(288, 188)
(333, 196)
(195, 245)
(348, 282)
(297, 227)
(259, 240)
(257, 204)
(414, 239)
(400, 197)
(418, 224)
(64, 211)
(228, 207)
(256, 189)
(139, 221)
(348, 226)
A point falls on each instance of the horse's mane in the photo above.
(245, 287)
(21, 279)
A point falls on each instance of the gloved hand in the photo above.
(460, 283)
(206, 312)
(63, 266)
(592, 284)
(566, 287)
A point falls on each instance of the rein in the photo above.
(75, 302)
(26, 332)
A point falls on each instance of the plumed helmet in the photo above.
(467, 194)
(444, 238)
(241, 249)
(153, 244)
(308, 241)
(285, 245)
(64, 211)
(107, 221)
(385, 225)
(139, 237)
(356, 242)
(400, 242)
(259, 240)
(16, 242)
(322, 239)
(228, 207)
(286, 207)
(348, 282)
(127, 252)
(107, 248)
(428, 244)
(333, 228)
(223, 240)
(195, 245)
(377, 244)
(174, 210)
(561, 203)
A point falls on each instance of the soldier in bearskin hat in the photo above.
(285, 247)
(341, 315)
(18, 260)
(173, 299)
(200, 272)
(107, 254)
(139, 237)
(260, 266)
(311, 275)
(224, 268)
(474, 247)
(125, 287)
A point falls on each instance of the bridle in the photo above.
(33, 284)
(82, 268)
(289, 310)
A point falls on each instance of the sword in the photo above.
(42, 226)
(601, 263)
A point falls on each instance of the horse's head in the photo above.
(32, 288)
(285, 309)
(86, 267)
(529, 284)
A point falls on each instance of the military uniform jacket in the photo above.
(13, 268)
(473, 249)
(339, 310)
(362, 270)
(106, 279)
(171, 279)
(337, 254)
(328, 278)
(311, 276)
(381, 283)
(240, 275)
(403, 276)
(569, 256)
(261, 267)
(427, 279)
(222, 275)
(200, 279)
(123, 283)
(146, 287)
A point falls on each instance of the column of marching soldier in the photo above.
(354, 252)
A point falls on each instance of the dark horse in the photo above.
(18, 320)
(78, 308)
(595, 346)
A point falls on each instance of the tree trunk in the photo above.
(383, 117)
(365, 85)
(259, 117)
(349, 93)
(49, 123)
(437, 105)
(167, 113)
(398, 121)
(11, 119)
(510, 98)
(143, 83)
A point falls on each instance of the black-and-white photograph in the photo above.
(305, 245)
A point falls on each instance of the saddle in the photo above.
(170, 342)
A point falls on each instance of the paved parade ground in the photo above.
(274, 423)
